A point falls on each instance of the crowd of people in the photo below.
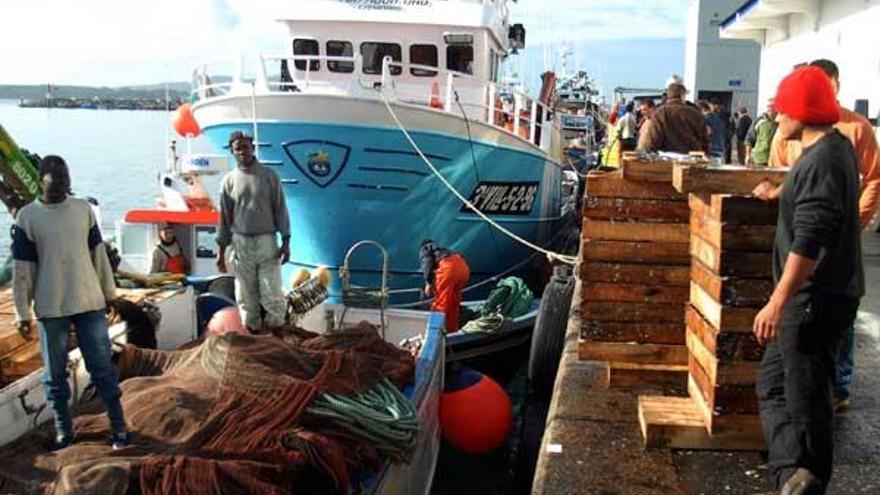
(829, 197)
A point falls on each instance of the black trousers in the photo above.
(794, 386)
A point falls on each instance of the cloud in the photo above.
(553, 21)
(114, 43)
(119, 42)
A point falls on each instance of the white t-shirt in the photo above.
(628, 126)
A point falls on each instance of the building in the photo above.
(792, 32)
(726, 69)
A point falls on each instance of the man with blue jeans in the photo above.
(62, 277)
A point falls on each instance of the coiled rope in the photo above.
(381, 416)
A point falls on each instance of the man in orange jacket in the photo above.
(784, 153)
(446, 275)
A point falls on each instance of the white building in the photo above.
(726, 69)
(792, 32)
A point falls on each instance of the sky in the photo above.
(121, 42)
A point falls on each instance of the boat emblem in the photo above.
(319, 161)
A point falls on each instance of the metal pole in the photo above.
(254, 114)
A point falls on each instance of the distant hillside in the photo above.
(152, 91)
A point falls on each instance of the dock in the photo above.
(683, 421)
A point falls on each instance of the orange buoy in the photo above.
(184, 121)
(475, 413)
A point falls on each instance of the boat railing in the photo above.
(293, 78)
(442, 89)
(523, 116)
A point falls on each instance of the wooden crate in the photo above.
(731, 270)
(654, 376)
(728, 179)
(638, 167)
(635, 275)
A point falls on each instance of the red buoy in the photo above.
(184, 122)
(475, 413)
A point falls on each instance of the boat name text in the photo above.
(387, 4)
(509, 198)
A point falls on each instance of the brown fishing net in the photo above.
(226, 416)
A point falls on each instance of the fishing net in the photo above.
(236, 414)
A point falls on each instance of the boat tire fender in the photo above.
(548, 337)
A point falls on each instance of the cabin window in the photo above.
(423, 55)
(306, 47)
(373, 53)
(460, 56)
(340, 49)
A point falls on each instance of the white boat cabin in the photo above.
(434, 53)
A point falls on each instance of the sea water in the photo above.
(114, 156)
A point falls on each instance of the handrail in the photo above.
(508, 109)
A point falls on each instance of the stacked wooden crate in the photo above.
(18, 357)
(635, 274)
(731, 279)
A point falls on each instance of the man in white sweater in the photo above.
(253, 214)
(62, 277)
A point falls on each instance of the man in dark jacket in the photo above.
(717, 130)
(675, 126)
(446, 274)
(743, 125)
(817, 268)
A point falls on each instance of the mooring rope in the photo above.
(551, 255)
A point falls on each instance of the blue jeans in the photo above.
(93, 337)
(843, 384)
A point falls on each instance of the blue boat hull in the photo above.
(347, 183)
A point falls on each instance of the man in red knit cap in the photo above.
(817, 268)
(861, 134)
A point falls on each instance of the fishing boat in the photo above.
(380, 117)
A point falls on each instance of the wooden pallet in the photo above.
(653, 376)
(677, 423)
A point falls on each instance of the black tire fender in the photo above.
(548, 336)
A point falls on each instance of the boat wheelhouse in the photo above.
(377, 115)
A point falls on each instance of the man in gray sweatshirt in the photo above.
(252, 212)
(62, 277)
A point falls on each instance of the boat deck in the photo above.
(593, 445)
(19, 358)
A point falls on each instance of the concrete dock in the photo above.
(592, 443)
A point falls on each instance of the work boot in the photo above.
(120, 440)
(61, 442)
(802, 482)
(842, 405)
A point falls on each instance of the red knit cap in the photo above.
(806, 95)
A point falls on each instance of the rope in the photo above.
(552, 256)
(381, 416)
